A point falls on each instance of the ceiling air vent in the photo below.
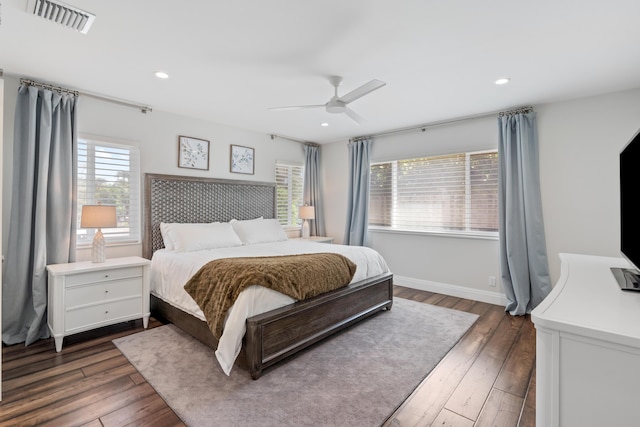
(63, 14)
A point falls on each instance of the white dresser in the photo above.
(87, 295)
(588, 348)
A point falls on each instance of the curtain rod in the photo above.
(143, 108)
(521, 110)
(274, 136)
(446, 122)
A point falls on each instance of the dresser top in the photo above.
(588, 301)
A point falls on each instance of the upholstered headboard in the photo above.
(172, 198)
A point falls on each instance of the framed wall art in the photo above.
(193, 153)
(242, 159)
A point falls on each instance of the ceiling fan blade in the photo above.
(297, 107)
(362, 91)
(353, 115)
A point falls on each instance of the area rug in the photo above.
(356, 378)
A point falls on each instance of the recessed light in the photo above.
(503, 81)
(325, 124)
(161, 75)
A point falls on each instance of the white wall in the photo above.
(580, 141)
(156, 134)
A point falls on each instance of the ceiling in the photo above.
(229, 62)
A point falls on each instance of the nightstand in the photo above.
(317, 239)
(88, 295)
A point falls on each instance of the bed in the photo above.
(273, 335)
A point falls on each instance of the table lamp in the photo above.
(98, 216)
(306, 213)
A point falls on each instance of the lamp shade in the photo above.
(98, 216)
(307, 212)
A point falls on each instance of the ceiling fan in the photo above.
(339, 104)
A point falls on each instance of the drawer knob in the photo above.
(106, 312)
(106, 276)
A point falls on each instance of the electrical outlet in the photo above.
(492, 281)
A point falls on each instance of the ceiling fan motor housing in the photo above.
(336, 106)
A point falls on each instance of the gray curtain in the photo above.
(311, 190)
(43, 209)
(523, 253)
(358, 199)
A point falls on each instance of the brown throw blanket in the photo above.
(218, 283)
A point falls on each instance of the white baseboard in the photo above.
(452, 290)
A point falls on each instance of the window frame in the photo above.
(474, 234)
(135, 200)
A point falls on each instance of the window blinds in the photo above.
(109, 174)
(453, 192)
(289, 182)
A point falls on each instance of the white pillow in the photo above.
(245, 220)
(259, 231)
(165, 231)
(197, 237)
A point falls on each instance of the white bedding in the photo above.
(170, 271)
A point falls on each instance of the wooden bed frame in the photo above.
(277, 334)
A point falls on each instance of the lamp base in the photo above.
(305, 229)
(97, 250)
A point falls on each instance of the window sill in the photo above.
(109, 244)
(454, 234)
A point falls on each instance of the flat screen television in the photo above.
(629, 278)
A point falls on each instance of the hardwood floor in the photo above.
(487, 379)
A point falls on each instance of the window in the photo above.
(449, 193)
(109, 174)
(289, 181)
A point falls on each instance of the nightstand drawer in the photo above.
(91, 316)
(102, 276)
(102, 292)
